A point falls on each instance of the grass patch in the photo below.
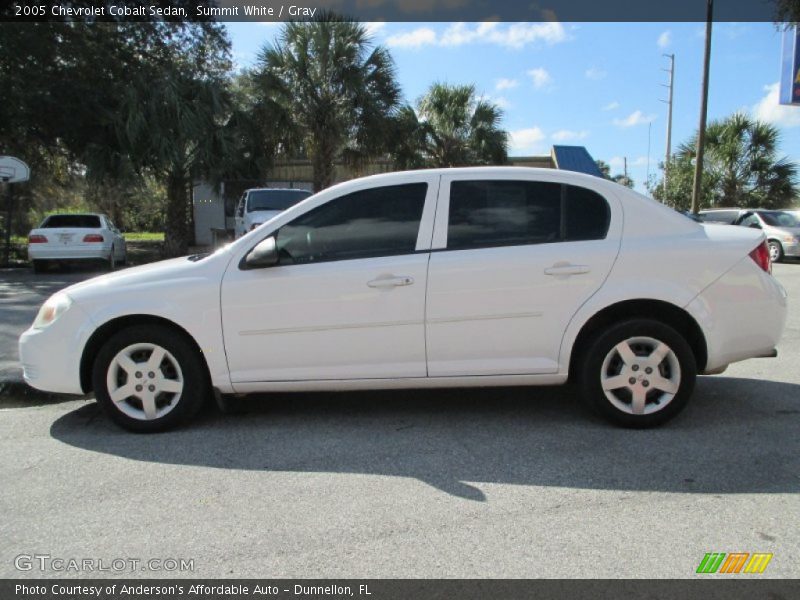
(144, 236)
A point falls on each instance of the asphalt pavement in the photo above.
(513, 482)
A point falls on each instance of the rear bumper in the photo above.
(742, 315)
(51, 252)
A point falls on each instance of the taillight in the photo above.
(37, 239)
(92, 238)
(760, 255)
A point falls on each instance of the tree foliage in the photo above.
(619, 178)
(451, 127)
(333, 91)
(741, 168)
(88, 93)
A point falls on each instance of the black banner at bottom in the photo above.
(730, 588)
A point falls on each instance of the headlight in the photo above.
(55, 306)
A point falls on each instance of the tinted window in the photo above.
(274, 199)
(511, 213)
(78, 221)
(376, 222)
(720, 216)
(778, 218)
(587, 215)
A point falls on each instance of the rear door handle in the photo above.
(567, 269)
(390, 281)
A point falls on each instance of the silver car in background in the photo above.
(782, 228)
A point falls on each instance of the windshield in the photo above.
(274, 199)
(778, 218)
(77, 221)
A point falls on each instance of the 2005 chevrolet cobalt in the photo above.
(439, 278)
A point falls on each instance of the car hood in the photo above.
(162, 274)
(262, 216)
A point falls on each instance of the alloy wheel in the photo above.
(145, 381)
(640, 375)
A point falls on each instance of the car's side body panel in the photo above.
(325, 328)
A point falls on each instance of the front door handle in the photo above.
(561, 269)
(390, 281)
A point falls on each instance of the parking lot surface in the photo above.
(441, 483)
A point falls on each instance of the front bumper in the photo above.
(51, 357)
(792, 250)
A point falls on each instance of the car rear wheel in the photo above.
(148, 379)
(112, 260)
(775, 251)
(638, 373)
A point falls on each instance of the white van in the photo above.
(259, 205)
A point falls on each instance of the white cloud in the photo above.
(618, 162)
(665, 39)
(423, 36)
(374, 27)
(770, 110)
(506, 84)
(500, 101)
(566, 135)
(527, 140)
(611, 105)
(514, 35)
(595, 74)
(540, 77)
(633, 119)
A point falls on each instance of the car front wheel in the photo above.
(638, 373)
(148, 379)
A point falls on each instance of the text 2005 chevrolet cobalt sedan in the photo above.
(439, 278)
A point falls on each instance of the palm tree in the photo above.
(338, 89)
(454, 128)
(175, 126)
(741, 167)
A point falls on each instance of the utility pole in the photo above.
(671, 86)
(625, 167)
(701, 132)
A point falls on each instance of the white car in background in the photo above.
(440, 278)
(259, 205)
(76, 237)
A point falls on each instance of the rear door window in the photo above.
(495, 213)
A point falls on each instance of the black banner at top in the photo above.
(390, 10)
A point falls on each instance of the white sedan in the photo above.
(437, 278)
(73, 237)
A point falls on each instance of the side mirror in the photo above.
(265, 254)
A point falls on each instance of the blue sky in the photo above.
(593, 84)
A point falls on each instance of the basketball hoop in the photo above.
(13, 170)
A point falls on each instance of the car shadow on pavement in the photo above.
(737, 436)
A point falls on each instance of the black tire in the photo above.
(775, 251)
(196, 384)
(111, 264)
(39, 266)
(591, 371)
